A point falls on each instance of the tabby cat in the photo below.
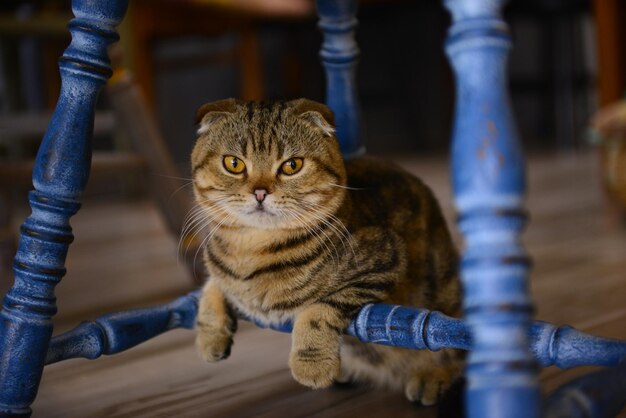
(297, 234)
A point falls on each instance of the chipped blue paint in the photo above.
(339, 55)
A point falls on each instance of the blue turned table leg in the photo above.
(60, 175)
(489, 183)
(339, 56)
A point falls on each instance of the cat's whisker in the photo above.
(343, 237)
(197, 211)
(196, 224)
(173, 177)
(208, 237)
(180, 188)
(207, 222)
(329, 238)
(188, 223)
(299, 217)
(197, 219)
(329, 215)
(200, 206)
(346, 187)
(317, 211)
(187, 240)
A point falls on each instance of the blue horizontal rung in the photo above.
(394, 325)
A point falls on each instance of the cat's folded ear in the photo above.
(209, 113)
(316, 114)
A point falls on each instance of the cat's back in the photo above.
(383, 196)
(382, 193)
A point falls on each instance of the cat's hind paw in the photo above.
(427, 387)
(315, 367)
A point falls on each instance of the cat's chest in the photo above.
(262, 283)
(260, 297)
(241, 252)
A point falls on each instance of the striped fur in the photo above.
(324, 242)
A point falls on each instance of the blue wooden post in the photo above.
(489, 187)
(395, 325)
(339, 56)
(115, 332)
(59, 176)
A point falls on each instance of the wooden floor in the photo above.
(122, 257)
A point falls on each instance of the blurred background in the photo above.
(565, 63)
(567, 78)
(568, 61)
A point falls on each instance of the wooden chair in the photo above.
(488, 173)
(152, 20)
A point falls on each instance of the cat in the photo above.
(298, 235)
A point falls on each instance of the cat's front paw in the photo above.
(427, 387)
(213, 344)
(315, 367)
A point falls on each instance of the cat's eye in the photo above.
(233, 164)
(291, 166)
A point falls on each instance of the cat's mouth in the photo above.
(260, 210)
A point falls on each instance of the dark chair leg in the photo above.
(60, 175)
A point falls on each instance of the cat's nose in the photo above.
(260, 194)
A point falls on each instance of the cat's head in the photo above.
(274, 165)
